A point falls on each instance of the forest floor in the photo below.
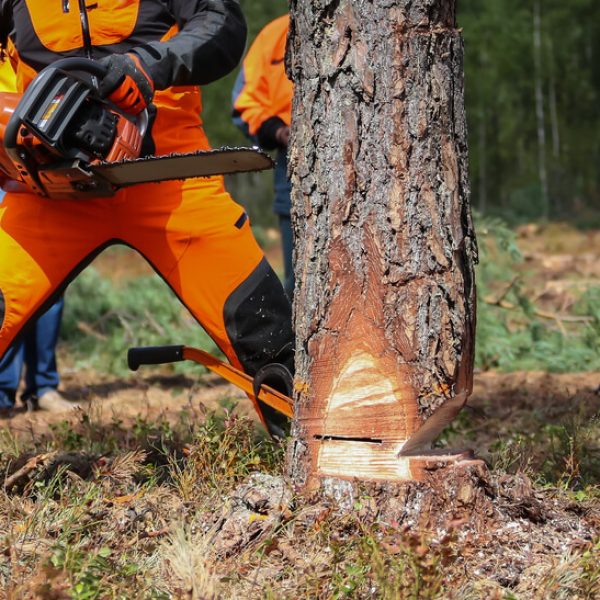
(162, 486)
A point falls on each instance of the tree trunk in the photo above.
(385, 296)
(539, 108)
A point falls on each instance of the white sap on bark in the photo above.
(385, 298)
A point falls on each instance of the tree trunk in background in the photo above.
(539, 107)
(385, 297)
(482, 204)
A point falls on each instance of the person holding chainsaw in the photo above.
(262, 109)
(153, 55)
(37, 352)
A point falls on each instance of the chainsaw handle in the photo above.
(96, 68)
(153, 355)
(86, 65)
(93, 67)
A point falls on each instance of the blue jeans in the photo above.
(37, 353)
(287, 243)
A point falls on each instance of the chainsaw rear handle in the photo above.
(93, 67)
(153, 355)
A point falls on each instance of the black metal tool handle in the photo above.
(153, 355)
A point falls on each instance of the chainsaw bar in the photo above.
(204, 163)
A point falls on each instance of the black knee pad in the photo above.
(258, 320)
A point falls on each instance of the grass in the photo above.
(96, 536)
(515, 334)
(130, 512)
(102, 320)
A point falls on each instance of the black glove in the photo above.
(127, 83)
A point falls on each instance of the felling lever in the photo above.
(156, 355)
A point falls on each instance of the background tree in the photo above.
(500, 105)
(503, 69)
(385, 244)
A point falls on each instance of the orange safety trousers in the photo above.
(193, 234)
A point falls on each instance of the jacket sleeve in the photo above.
(5, 25)
(209, 44)
(252, 106)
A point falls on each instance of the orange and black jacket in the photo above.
(181, 43)
(262, 97)
(262, 100)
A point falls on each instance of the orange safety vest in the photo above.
(266, 91)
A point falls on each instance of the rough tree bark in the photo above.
(385, 297)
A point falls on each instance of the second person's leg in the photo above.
(41, 372)
(10, 375)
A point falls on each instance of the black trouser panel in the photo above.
(258, 320)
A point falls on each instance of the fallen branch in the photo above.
(540, 313)
(31, 465)
(154, 323)
(89, 330)
(153, 534)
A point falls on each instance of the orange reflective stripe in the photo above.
(7, 77)
(24, 73)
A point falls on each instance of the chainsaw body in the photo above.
(53, 135)
(61, 140)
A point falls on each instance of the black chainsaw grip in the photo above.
(153, 355)
(86, 65)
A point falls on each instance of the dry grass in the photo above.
(141, 512)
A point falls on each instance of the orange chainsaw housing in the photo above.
(52, 134)
(128, 142)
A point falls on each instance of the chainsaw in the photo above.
(61, 140)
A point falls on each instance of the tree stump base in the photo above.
(446, 488)
(253, 511)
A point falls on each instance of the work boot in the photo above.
(7, 403)
(51, 401)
